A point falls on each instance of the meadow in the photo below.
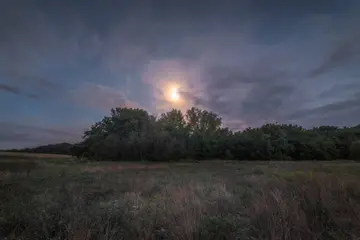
(58, 197)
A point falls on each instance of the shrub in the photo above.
(355, 150)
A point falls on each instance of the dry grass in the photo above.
(122, 167)
(7, 167)
(308, 206)
(209, 200)
(20, 163)
(19, 155)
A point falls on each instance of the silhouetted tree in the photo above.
(134, 134)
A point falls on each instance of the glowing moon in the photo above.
(174, 94)
(171, 93)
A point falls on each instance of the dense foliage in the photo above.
(355, 150)
(134, 134)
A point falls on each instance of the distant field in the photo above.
(205, 200)
(19, 155)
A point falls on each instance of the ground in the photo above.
(57, 197)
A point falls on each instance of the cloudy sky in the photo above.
(65, 64)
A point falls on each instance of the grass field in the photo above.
(22, 156)
(58, 198)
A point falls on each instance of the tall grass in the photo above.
(321, 207)
(235, 202)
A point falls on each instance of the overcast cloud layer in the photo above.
(64, 64)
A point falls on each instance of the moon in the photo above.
(174, 94)
(171, 93)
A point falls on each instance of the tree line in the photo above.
(59, 148)
(133, 135)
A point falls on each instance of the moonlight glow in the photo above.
(174, 94)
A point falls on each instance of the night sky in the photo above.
(65, 64)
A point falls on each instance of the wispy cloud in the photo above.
(339, 55)
(34, 49)
(249, 61)
(99, 97)
(251, 83)
(17, 91)
(161, 75)
(15, 134)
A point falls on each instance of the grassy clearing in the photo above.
(206, 200)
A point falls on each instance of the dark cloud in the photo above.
(13, 134)
(251, 84)
(344, 113)
(17, 91)
(267, 94)
(31, 86)
(10, 89)
(249, 61)
(265, 101)
(254, 93)
(34, 48)
(18, 77)
(341, 106)
(341, 88)
(342, 53)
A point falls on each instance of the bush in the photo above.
(355, 150)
